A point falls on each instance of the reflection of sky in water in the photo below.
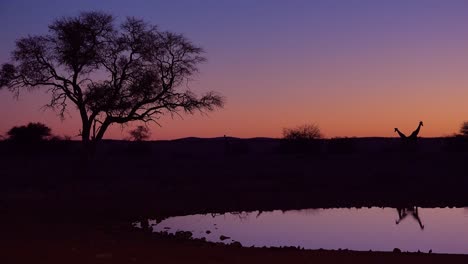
(445, 229)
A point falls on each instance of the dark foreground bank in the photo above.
(51, 188)
(113, 244)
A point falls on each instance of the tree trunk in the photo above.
(89, 147)
(102, 130)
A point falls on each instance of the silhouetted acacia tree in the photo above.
(112, 74)
(32, 132)
(464, 129)
(303, 132)
(140, 133)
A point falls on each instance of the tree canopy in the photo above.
(111, 74)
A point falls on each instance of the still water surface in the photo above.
(442, 230)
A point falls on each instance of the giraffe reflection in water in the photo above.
(413, 211)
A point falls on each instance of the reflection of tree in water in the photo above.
(244, 215)
(308, 211)
(241, 215)
(213, 215)
(405, 211)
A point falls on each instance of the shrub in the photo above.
(140, 133)
(32, 132)
(301, 139)
(304, 132)
(464, 129)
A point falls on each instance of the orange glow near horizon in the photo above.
(355, 70)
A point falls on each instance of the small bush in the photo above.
(302, 139)
(32, 132)
(140, 133)
(464, 129)
(304, 132)
(139, 147)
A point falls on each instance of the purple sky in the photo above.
(356, 68)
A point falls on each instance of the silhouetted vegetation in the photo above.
(138, 147)
(458, 142)
(304, 132)
(140, 133)
(30, 133)
(464, 129)
(146, 68)
(36, 138)
(301, 139)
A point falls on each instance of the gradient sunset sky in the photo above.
(355, 68)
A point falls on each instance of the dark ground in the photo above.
(55, 205)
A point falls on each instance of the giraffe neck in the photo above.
(400, 133)
(415, 133)
(419, 127)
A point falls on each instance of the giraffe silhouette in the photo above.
(413, 135)
(413, 211)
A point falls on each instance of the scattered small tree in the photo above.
(464, 129)
(304, 132)
(32, 132)
(140, 133)
(111, 74)
(301, 139)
